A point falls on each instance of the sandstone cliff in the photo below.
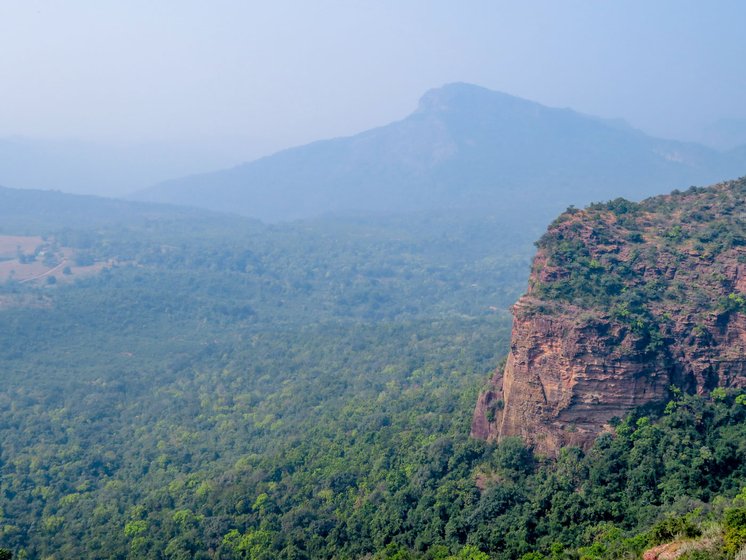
(625, 300)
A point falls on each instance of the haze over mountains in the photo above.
(725, 134)
(166, 367)
(103, 167)
(465, 147)
(24, 211)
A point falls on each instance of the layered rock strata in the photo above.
(625, 301)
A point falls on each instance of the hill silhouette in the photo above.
(465, 147)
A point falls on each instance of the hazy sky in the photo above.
(257, 76)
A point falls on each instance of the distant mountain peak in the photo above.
(465, 147)
(461, 95)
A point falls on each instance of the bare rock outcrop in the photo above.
(625, 301)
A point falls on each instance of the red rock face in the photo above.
(564, 379)
(575, 365)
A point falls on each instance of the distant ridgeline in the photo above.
(465, 148)
(35, 212)
(624, 301)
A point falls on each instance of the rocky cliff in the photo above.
(625, 301)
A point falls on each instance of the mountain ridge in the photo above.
(35, 211)
(465, 147)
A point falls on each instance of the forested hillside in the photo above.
(221, 352)
(231, 390)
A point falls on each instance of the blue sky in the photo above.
(257, 76)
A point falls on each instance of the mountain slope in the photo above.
(464, 147)
(625, 300)
(30, 211)
(99, 167)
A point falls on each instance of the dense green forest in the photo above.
(232, 390)
(212, 344)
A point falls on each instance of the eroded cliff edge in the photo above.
(625, 300)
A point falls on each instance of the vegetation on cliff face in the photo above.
(624, 301)
(667, 253)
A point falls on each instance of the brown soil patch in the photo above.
(11, 244)
(49, 259)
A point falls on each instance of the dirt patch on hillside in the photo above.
(13, 245)
(35, 260)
